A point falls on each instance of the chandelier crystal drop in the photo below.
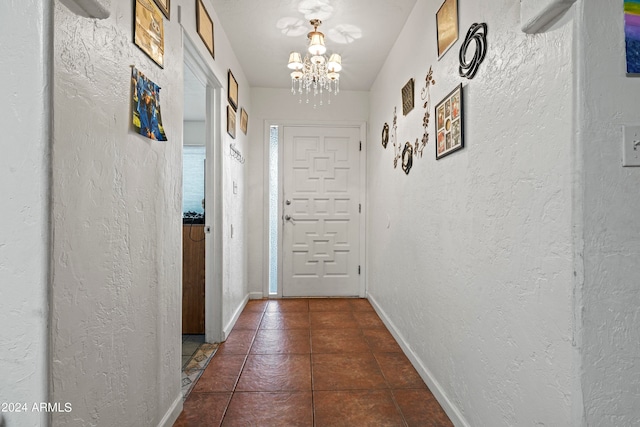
(315, 73)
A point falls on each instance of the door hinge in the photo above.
(360, 145)
(358, 269)
(359, 207)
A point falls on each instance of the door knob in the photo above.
(288, 202)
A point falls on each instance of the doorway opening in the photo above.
(202, 223)
(193, 215)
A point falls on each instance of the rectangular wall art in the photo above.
(148, 30)
(447, 26)
(632, 35)
(204, 27)
(449, 123)
(145, 104)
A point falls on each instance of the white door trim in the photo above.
(213, 191)
(363, 193)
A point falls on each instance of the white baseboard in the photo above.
(452, 411)
(227, 329)
(256, 295)
(173, 413)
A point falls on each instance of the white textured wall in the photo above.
(279, 105)
(117, 227)
(117, 220)
(471, 257)
(24, 184)
(610, 229)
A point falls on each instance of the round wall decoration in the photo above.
(407, 158)
(478, 33)
(385, 135)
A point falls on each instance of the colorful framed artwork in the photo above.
(447, 26)
(145, 107)
(450, 123)
(165, 7)
(632, 35)
(407, 97)
(232, 90)
(231, 122)
(204, 27)
(148, 30)
(244, 120)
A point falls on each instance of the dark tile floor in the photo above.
(310, 362)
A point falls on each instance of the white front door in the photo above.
(321, 233)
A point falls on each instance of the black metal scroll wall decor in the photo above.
(385, 135)
(407, 158)
(477, 33)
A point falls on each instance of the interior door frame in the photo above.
(363, 194)
(213, 191)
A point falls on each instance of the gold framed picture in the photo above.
(232, 91)
(148, 31)
(231, 121)
(204, 26)
(165, 7)
(447, 26)
(244, 120)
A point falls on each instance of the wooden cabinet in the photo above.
(193, 260)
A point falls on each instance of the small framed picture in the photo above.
(148, 30)
(204, 26)
(232, 91)
(447, 26)
(165, 7)
(244, 120)
(231, 122)
(407, 97)
(449, 123)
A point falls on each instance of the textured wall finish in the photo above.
(117, 228)
(24, 184)
(117, 221)
(470, 257)
(610, 229)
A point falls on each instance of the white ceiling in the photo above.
(262, 33)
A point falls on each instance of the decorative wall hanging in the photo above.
(394, 138)
(148, 31)
(632, 35)
(385, 135)
(447, 26)
(425, 94)
(449, 123)
(235, 154)
(407, 157)
(477, 33)
(244, 120)
(204, 26)
(232, 90)
(231, 121)
(145, 105)
(407, 97)
(165, 6)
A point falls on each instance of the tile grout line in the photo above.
(244, 363)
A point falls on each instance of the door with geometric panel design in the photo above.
(321, 231)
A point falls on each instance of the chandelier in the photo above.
(316, 73)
